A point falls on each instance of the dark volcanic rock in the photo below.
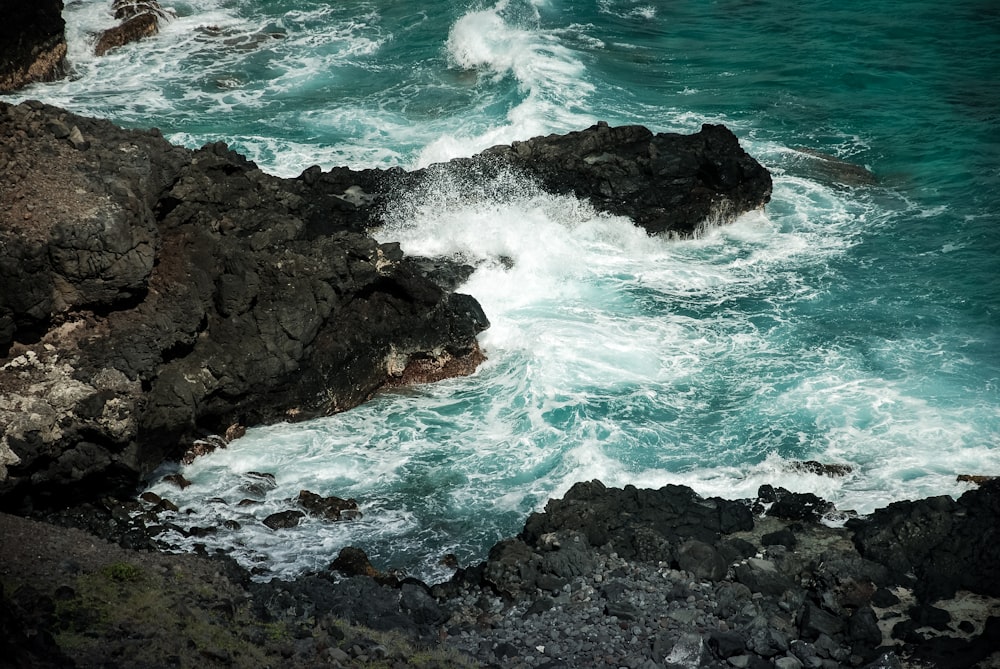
(331, 508)
(819, 604)
(644, 524)
(139, 19)
(155, 295)
(32, 43)
(946, 544)
(283, 519)
(130, 30)
(667, 183)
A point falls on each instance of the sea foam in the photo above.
(506, 40)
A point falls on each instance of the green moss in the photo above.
(144, 615)
(122, 572)
(276, 631)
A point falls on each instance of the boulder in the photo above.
(32, 43)
(283, 519)
(130, 30)
(665, 182)
(330, 508)
(139, 19)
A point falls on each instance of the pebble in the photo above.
(583, 637)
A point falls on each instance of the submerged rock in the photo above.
(832, 170)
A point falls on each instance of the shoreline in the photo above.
(602, 577)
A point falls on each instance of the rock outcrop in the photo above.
(139, 19)
(34, 43)
(155, 296)
(665, 182)
(152, 295)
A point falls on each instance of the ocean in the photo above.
(854, 321)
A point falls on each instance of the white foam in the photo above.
(617, 356)
(627, 9)
(499, 42)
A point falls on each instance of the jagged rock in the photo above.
(977, 479)
(948, 545)
(330, 508)
(666, 183)
(353, 562)
(139, 19)
(793, 505)
(154, 295)
(34, 43)
(821, 468)
(639, 521)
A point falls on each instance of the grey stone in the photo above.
(787, 663)
(701, 560)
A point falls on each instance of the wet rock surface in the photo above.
(138, 19)
(665, 182)
(156, 298)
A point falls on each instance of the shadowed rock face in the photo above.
(34, 44)
(666, 183)
(154, 295)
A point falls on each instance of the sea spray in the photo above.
(612, 355)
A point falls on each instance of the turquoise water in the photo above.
(856, 320)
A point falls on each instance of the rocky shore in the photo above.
(604, 577)
(155, 300)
